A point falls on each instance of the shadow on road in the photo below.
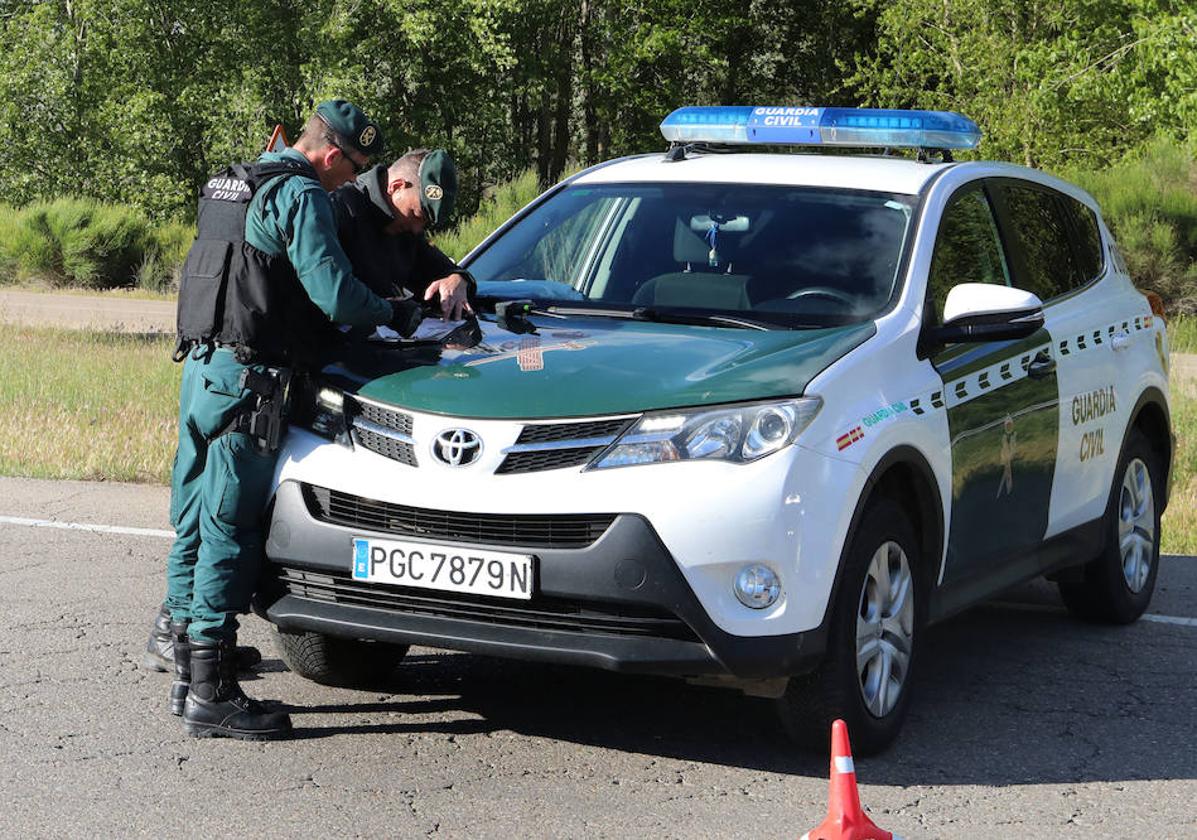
(1004, 696)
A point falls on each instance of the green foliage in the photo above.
(137, 101)
(1149, 200)
(1075, 81)
(87, 244)
(497, 207)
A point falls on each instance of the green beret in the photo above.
(438, 186)
(350, 122)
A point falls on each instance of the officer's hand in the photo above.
(406, 315)
(452, 290)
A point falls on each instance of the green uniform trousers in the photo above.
(219, 488)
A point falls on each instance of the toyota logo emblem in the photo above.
(457, 447)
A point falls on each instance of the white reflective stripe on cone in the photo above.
(843, 764)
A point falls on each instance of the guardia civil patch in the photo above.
(433, 192)
(367, 136)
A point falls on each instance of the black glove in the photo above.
(406, 315)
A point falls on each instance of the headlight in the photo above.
(324, 413)
(738, 433)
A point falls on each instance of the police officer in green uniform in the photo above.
(263, 286)
(382, 218)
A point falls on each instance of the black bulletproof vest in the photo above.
(234, 294)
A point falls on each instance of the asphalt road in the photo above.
(96, 312)
(1026, 723)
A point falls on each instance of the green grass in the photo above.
(1182, 334)
(1180, 520)
(87, 405)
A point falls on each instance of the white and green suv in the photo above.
(744, 416)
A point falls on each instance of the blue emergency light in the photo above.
(783, 125)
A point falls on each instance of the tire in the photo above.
(330, 660)
(890, 620)
(1116, 587)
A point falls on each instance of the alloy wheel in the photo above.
(885, 629)
(1136, 525)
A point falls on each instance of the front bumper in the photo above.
(618, 603)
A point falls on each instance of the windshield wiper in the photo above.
(648, 313)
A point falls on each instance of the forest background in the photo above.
(113, 112)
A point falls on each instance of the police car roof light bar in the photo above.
(860, 127)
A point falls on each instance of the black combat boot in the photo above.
(217, 707)
(182, 656)
(159, 652)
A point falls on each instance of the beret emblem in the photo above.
(367, 136)
(433, 192)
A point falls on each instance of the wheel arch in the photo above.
(1152, 417)
(905, 475)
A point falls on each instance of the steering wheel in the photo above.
(823, 292)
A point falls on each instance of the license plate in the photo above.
(428, 566)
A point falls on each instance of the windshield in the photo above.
(787, 255)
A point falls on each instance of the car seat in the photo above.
(698, 284)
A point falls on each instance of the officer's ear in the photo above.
(397, 184)
(330, 156)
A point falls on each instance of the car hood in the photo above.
(587, 366)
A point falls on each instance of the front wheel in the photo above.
(866, 675)
(331, 660)
(1116, 587)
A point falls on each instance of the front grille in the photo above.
(396, 450)
(383, 416)
(549, 459)
(554, 446)
(551, 432)
(391, 437)
(533, 531)
(540, 613)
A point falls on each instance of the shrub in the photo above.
(160, 267)
(102, 245)
(498, 205)
(1149, 200)
(9, 229)
(88, 244)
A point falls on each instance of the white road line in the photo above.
(1170, 619)
(83, 526)
(1048, 608)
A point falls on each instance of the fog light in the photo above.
(757, 587)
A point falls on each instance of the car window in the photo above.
(967, 248)
(801, 254)
(1088, 240)
(1039, 225)
(556, 248)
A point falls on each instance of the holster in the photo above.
(265, 419)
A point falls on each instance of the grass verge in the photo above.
(87, 405)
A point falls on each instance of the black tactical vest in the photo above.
(234, 294)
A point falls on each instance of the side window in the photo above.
(1088, 240)
(967, 248)
(1040, 228)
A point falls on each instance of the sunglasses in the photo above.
(358, 168)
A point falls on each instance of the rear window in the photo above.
(1057, 239)
(1088, 239)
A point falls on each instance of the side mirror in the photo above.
(985, 312)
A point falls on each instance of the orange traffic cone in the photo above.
(845, 819)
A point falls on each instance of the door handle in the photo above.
(1120, 341)
(1043, 365)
